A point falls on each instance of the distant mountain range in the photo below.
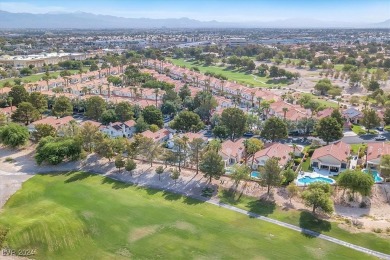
(81, 20)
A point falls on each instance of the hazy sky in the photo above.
(222, 10)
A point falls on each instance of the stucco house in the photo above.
(232, 152)
(119, 129)
(375, 151)
(278, 150)
(333, 157)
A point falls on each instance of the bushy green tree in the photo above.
(234, 119)
(317, 195)
(25, 113)
(18, 94)
(62, 107)
(153, 115)
(13, 135)
(95, 106)
(56, 150)
(43, 130)
(212, 165)
(187, 121)
(328, 129)
(274, 128)
(271, 176)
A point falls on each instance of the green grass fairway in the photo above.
(86, 216)
(232, 75)
(307, 220)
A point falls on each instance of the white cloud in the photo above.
(22, 7)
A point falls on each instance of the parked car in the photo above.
(380, 128)
(380, 138)
(249, 134)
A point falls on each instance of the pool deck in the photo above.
(313, 175)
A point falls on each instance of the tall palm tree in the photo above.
(135, 90)
(156, 92)
(285, 109)
(81, 74)
(10, 99)
(253, 98)
(222, 85)
(259, 101)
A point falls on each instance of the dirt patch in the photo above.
(142, 232)
(185, 226)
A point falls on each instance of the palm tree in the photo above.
(10, 99)
(135, 90)
(156, 92)
(253, 98)
(222, 83)
(285, 109)
(142, 91)
(100, 87)
(259, 101)
(85, 90)
(81, 74)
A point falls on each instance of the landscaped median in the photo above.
(86, 216)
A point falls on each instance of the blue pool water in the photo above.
(255, 174)
(228, 170)
(308, 180)
(375, 174)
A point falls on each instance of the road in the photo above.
(368, 138)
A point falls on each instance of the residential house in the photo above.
(119, 129)
(352, 115)
(333, 157)
(278, 150)
(232, 152)
(57, 123)
(375, 151)
(8, 111)
(190, 137)
(327, 112)
(160, 136)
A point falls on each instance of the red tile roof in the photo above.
(376, 150)
(338, 150)
(54, 122)
(231, 148)
(276, 150)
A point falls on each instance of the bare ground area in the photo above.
(376, 214)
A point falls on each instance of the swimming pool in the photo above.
(375, 174)
(228, 170)
(307, 180)
(255, 174)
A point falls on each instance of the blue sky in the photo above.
(222, 10)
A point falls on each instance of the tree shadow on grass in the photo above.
(262, 207)
(192, 201)
(171, 196)
(311, 223)
(228, 197)
(77, 176)
(116, 184)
